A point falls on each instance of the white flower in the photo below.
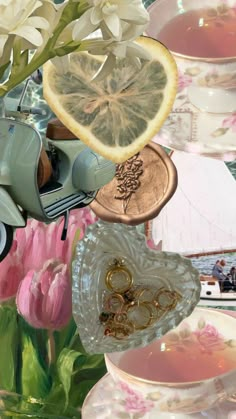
(19, 17)
(114, 50)
(109, 16)
(52, 13)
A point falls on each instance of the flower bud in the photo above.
(44, 298)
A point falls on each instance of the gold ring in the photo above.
(120, 317)
(172, 296)
(157, 313)
(119, 279)
(114, 303)
(144, 295)
(136, 315)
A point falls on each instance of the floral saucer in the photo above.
(105, 401)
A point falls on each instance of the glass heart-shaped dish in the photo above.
(126, 295)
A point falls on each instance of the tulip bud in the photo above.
(44, 298)
(11, 272)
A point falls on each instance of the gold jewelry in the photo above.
(144, 294)
(123, 330)
(157, 313)
(120, 317)
(114, 303)
(140, 314)
(171, 299)
(118, 278)
(105, 316)
(119, 330)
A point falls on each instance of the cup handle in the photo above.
(213, 100)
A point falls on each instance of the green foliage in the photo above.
(35, 381)
(65, 366)
(45, 391)
(76, 373)
(8, 347)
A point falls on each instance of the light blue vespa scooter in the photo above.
(77, 175)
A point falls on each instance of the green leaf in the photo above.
(76, 344)
(8, 348)
(65, 366)
(35, 382)
(219, 132)
(83, 381)
(64, 337)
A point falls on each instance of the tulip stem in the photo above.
(51, 347)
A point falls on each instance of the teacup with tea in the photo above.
(202, 37)
(190, 369)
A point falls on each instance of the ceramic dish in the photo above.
(164, 282)
(190, 130)
(203, 118)
(105, 401)
(191, 368)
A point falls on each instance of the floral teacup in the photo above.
(190, 369)
(210, 73)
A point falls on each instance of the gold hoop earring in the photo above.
(118, 278)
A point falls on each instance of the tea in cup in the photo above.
(202, 37)
(188, 370)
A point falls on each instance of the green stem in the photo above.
(70, 13)
(51, 348)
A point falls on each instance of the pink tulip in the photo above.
(44, 298)
(37, 243)
(42, 242)
(10, 275)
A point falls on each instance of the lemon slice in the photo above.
(119, 115)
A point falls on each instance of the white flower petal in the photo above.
(38, 22)
(96, 46)
(136, 50)
(83, 26)
(96, 16)
(119, 49)
(113, 24)
(130, 31)
(30, 34)
(109, 9)
(133, 14)
(105, 68)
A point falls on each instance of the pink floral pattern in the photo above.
(210, 339)
(206, 336)
(227, 124)
(134, 401)
(184, 80)
(230, 122)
